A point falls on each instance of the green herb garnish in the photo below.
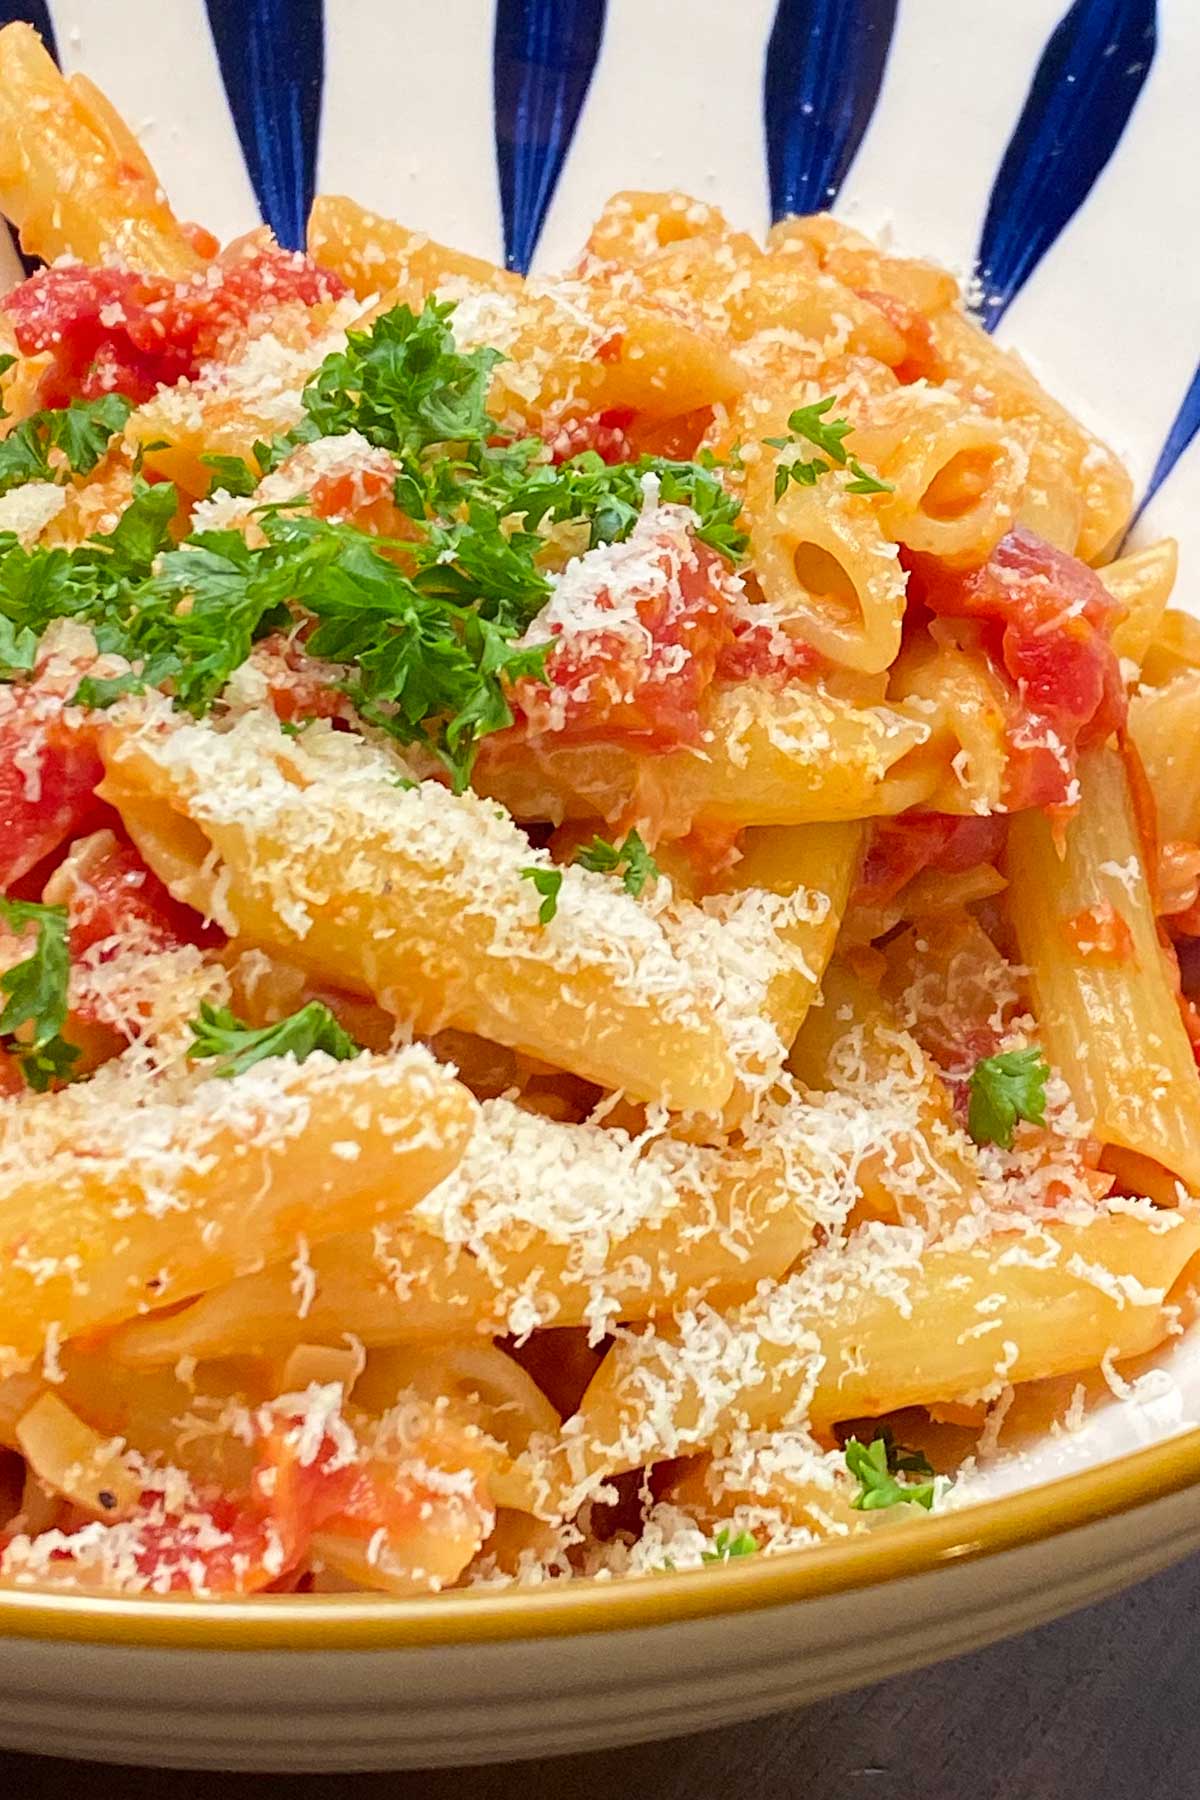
(727, 1544)
(217, 1033)
(1003, 1089)
(876, 1466)
(37, 995)
(630, 859)
(547, 882)
(81, 431)
(808, 424)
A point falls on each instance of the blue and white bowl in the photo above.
(1045, 152)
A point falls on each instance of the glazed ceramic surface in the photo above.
(1046, 153)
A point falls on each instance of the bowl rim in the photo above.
(325, 1622)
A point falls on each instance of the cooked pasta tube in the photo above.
(825, 564)
(72, 1459)
(771, 756)
(767, 935)
(968, 712)
(926, 1171)
(375, 255)
(422, 899)
(1164, 723)
(72, 176)
(1077, 490)
(228, 409)
(303, 1149)
(859, 263)
(1142, 582)
(568, 350)
(957, 476)
(543, 1224)
(1174, 647)
(1102, 993)
(877, 1324)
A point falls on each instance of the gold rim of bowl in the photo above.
(382, 1622)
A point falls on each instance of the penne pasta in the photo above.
(824, 1345)
(597, 878)
(411, 929)
(401, 1124)
(72, 176)
(789, 756)
(1102, 992)
(544, 1224)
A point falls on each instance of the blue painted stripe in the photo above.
(543, 57)
(272, 57)
(1085, 89)
(1184, 427)
(824, 69)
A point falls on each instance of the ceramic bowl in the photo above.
(1045, 153)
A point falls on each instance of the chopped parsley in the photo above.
(808, 424)
(1003, 1089)
(217, 1033)
(547, 882)
(428, 627)
(727, 1543)
(81, 432)
(630, 859)
(36, 992)
(876, 1466)
(231, 475)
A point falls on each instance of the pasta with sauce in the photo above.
(596, 909)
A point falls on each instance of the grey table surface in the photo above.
(1102, 1706)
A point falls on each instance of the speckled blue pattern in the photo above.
(1044, 106)
(824, 68)
(1086, 86)
(545, 52)
(272, 55)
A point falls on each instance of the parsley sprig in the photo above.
(630, 859)
(1003, 1089)
(808, 424)
(218, 1033)
(876, 1467)
(36, 1008)
(727, 1544)
(547, 882)
(80, 432)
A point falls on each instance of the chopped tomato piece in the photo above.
(923, 359)
(220, 1547)
(49, 772)
(297, 686)
(641, 681)
(109, 892)
(901, 848)
(362, 495)
(1099, 934)
(1047, 622)
(113, 329)
(757, 651)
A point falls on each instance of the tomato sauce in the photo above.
(1047, 622)
(48, 777)
(113, 330)
(901, 848)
